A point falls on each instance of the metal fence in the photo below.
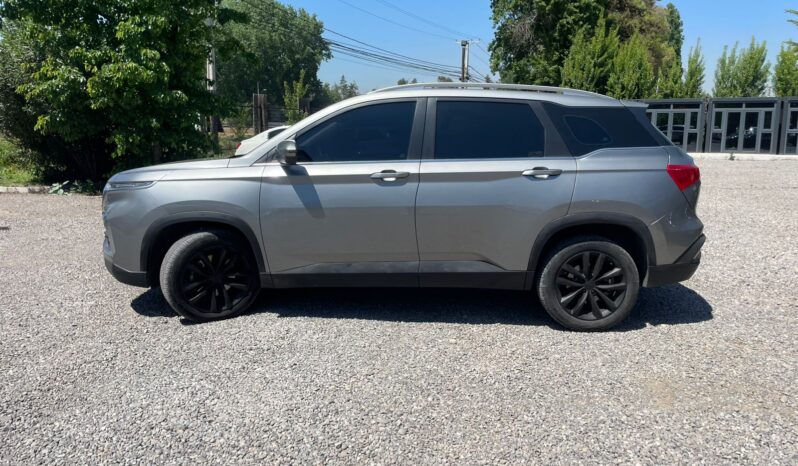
(764, 125)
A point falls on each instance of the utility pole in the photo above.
(464, 75)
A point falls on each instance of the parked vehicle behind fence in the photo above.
(571, 195)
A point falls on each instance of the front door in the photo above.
(347, 206)
(486, 193)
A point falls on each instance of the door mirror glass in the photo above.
(286, 152)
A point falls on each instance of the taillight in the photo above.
(684, 175)
(238, 145)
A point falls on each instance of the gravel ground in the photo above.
(92, 371)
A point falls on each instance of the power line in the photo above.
(373, 55)
(395, 22)
(420, 18)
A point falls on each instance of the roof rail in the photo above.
(493, 86)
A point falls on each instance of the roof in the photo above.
(561, 95)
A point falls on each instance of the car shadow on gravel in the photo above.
(668, 305)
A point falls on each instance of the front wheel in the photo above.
(589, 284)
(208, 276)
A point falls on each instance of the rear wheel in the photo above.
(208, 275)
(589, 284)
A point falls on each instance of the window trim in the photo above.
(552, 140)
(416, 130)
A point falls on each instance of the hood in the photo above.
(156, 172)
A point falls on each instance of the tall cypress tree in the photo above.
(590, 58)
(695, 74)
(631, 76)
(742, 73)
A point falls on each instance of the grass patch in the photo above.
(14, 169)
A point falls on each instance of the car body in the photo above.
(247, 145)
(426, 185)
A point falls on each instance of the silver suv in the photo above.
(572, 195)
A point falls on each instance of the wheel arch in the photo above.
(629, 232)
(163, 233)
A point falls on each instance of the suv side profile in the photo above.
(572, 195)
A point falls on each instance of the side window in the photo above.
(586, 129)
(486, 130)
(375, 132)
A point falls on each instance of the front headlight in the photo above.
(130, 184)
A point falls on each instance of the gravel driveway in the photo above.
(92, 371)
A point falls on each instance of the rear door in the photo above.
(494, 173)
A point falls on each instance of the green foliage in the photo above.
(694, 75)
(122, 81)
(445, 79)
(533, 37)
(675, 29)
(240, 121)
(669, 81)
(656, 26)
(403, 81)
(336, 92)
(294, 94)
(631, 75)
(275, 44)
(15, 166)
(785, 74)
(48, 155)
(742, 73)
(785, 78)
(590, 59)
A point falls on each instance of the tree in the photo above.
(785, 78)
(676, 29)
(52, 157)
(654, 24)
(332, 93)
(589, 61)
(127, 80)
(631, 75)
(294, 94)
(669, 81)
(694, 75)
(276, 43)
(533, 37)
(744, 73)
(404, 81)
(444, 79)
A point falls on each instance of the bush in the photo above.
(16, 167)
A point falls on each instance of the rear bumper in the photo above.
(125, 276)
(679, 271)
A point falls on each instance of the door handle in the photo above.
(389, 175)
(542, 173)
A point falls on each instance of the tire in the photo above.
(598, 301)
(209, 275)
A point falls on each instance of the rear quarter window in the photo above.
(586, 129)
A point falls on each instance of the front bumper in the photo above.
(125, 276)
(681, 270)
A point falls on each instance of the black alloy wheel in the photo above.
(216, 280)
(590, 285)
(209, 275)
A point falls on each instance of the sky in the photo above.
(715, 22)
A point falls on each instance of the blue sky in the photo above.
(715, 22)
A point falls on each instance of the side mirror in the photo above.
(286, 152)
